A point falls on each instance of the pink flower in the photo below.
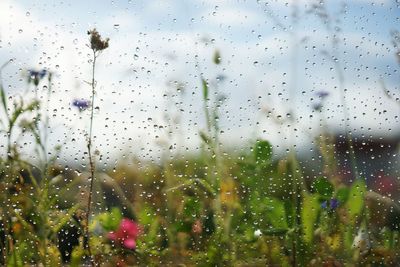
(126, 234)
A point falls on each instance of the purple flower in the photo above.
(334, 203)
(81, 104)
(322, 94)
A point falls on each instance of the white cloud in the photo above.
(233, 17)
(10, 32)
(132, 76)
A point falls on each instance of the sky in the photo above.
(272, 65)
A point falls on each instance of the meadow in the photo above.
(211, 207)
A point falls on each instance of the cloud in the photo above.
(10, 32)
(232, 17)
(133, 72)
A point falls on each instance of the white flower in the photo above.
(257, 233)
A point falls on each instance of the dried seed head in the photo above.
(96, 42)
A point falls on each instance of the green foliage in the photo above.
(15, 259)
(205, 138)
(146, 215)
(217, 57)
(355, 201)
(342, 194)
(191, 208)
(323, 187)
(275, 232)
(268, 213)
(262, 152)
(110, 220)
(77, 256)
(309, 215)
(3, 99)
(205, 89)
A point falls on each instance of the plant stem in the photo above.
(92, 167)
(9, 144)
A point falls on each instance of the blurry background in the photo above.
(281, 63)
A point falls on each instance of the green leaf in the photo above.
(355, 202)
(206, 139)
(153, 231)
(217, 57)
(14, 259)
(146, 215)
(275, 232)
(77, 256)
(192, 208)
(62, 219)
(111, 220)
(309, 215)
(342, 195)
(205, 186)
(268, 211)
(3, 98)
(262, 151)
(17, 112)
(323, 187)
(184, 226)
(205, 88)
(276, 213)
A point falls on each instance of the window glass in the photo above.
(203, 132)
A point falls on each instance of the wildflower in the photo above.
(81, 104)
(322, 94)
(126, 235)
(96, 43)
(35, 76)
(332, 204)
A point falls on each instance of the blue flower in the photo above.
(332, 204)
(81, 104)
(42, 73)
(36, 76)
